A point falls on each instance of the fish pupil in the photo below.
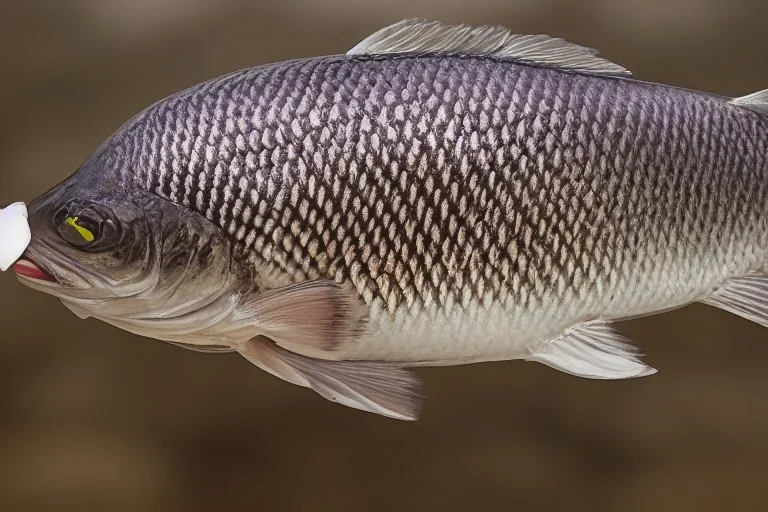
(79, 229)
(91, 225)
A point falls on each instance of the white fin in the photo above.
(318, 316)
(421, 36)
(746, 297)
(377, 387)
(757, 101)
(593, 350)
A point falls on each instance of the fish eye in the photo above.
(80, 230)
(85, 226)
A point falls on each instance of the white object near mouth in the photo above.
(14, 234)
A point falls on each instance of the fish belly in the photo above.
(492, 331)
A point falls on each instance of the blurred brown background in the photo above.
(92, 418)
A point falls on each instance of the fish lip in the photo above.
(27, 268)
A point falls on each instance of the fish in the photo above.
(438, 195)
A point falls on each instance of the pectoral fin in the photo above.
(314, 317)
(378, 387)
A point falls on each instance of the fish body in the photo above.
(411, 203)
(476, 206)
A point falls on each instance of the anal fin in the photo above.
(373, 386)
(745, 296)
(593, 350)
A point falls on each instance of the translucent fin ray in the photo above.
(378, 387)
(422, 37)
(314, 316)
(757, 102)
(593, 350)
(745, 296)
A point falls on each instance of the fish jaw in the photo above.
(28, 269)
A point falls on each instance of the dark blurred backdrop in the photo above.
(92, 418)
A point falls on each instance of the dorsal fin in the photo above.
(757, 101)
(421, 36)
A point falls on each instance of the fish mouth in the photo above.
(28, 269)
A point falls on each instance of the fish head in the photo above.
(112, 250)
(87, 244)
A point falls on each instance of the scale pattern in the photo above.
(436, 182)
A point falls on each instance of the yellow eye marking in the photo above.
(87, 235)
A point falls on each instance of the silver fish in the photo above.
(438, 195)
